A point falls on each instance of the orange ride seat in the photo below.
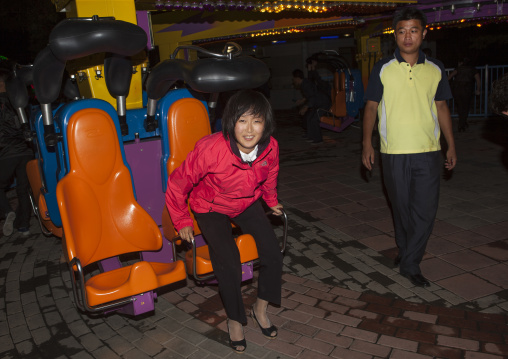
(187, 123)
(338, 108)
(38, 202)
(101, 218)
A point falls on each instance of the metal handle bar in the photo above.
(223, 55)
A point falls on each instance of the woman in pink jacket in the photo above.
(224, 178)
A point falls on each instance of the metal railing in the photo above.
(488, 75)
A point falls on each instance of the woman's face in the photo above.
(248, 131)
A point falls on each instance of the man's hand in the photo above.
(368, 157)
(451, 159)
(445, 122)
(186, 233)
(369, 119)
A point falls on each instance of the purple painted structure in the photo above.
(144, 160)
(441, 12)
(247, 271)
(345, 122)
(143, 19)
(109, 264)
(163, 255)
(141, 303)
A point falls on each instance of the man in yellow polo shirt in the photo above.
(408, 92)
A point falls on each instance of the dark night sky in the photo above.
(25, 26)
(484, 45)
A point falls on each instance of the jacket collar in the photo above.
(234, 148)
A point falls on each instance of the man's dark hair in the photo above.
(298, 73)
(247, 102)
(409, 13)
(499, 95)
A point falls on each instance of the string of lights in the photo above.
(351, 7)
(349, 23)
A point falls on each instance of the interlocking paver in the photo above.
(362, 314)
(326, 325)
(315, 345)
(476, 355)
(342, 353)
(371, 348)
(440, 329)
(361, 334)
(398, 343)
(344, 319)
(466, 344)
(401, 354)
(416, 335)
(333, 307)
(301, 329)
(496, 348)
(421, 317)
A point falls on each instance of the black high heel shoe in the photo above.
(235, 344)
(267, 332)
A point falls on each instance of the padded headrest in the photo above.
(118, 75)
(210, 75)
(17, 92)
(76, 38)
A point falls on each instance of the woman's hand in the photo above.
(187, 233)
(277, 209)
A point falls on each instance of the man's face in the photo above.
(409, 35)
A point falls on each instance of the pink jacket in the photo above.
(219, 181)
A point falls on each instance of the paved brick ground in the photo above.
(341, 296)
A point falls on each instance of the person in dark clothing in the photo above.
(463, 88)
(312, 100)
(313, 75)
(14, 155)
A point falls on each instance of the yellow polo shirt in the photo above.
(407, 109)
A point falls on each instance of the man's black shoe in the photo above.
(417, 279)
(396, 261)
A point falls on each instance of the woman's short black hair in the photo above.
(409, 13)
(250, 102)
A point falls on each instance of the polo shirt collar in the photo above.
(421, 56)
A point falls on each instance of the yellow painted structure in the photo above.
(370, 52)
